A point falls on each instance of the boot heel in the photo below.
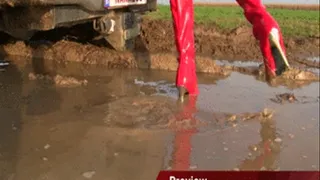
(275, 43)
(182, 92)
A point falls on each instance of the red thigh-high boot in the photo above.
(267, 31)
(183, 20)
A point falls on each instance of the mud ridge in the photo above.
(238, 44)
(157, 37)
(68, 51)
(155, 49)
(48, 57)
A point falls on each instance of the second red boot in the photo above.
(267, 31)
(183, 22)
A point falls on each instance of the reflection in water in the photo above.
(43, 99)
(263, 156)
(10, 119)
(265, 153)
(185, 127)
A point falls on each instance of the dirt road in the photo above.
(63, 115)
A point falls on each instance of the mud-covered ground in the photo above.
(88, 122)
(155, 49)
(156, 37)
(238, 44)
(66, 112)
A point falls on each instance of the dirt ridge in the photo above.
(238, 44)
(155, 49)
(157, 37)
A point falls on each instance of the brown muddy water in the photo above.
(126, 124)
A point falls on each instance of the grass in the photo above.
(293, 23)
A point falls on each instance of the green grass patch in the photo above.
(297, 23)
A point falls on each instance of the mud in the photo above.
(155, 50)
(113, 118)
(59, 80)
(66, 52)
(285, 97)
(123, 116)
(144, 112)
(238, 44)
(291, 98)
(156, 37)
(67, 113)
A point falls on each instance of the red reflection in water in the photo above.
(185, 127)
(182, 141)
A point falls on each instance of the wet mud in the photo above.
(59, 80)
(100, 130)
(155, 50)
(285, 97)
(74, 109)
(295, 77)
(238, 44)
(67, 51)
(291, 98)
(141, 112)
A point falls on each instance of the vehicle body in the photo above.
(117, 21)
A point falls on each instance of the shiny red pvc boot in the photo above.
(183, 22)
(267, 31)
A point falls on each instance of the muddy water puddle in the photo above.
(126, 124)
